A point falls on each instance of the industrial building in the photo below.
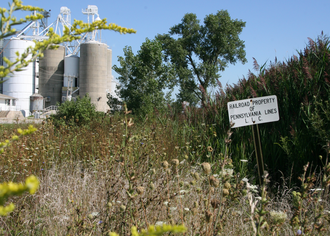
(73, 69)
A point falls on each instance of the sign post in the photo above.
(254, 111)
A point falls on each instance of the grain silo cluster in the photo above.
(62, 74)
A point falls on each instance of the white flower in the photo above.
(244, 160)
(278, 216)
(165, 203)
(245, 179)
(160, 223)
(184, 191)
(186, 209)
(173, 208)
(226, 172)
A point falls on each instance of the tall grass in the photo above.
(113, 174)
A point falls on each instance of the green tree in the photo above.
(143, 77)
(200, 52)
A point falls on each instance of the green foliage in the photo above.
(198, 52)
(301, 85)
(114, 103)
(143, 77)
(80, 112)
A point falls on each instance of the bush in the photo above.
(79, 112)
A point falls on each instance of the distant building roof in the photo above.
(6, 97)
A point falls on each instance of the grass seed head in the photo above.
(214, 181)
(227, 185)
(225, 192)
(140, 190)
(122, 207)
(175, 162)
(215, 203)
(165, 164)
(206, 168)
(208, 216)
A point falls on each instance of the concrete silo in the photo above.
(93, 73)
(51, 70)
(19, 85)
(109, 70)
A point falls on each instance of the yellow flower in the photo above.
(32, 183)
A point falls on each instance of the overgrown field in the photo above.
(117, 172)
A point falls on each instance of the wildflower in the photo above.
(278, 216)
(160, 223)
(245, 179)
(227, 172)
(186, 209)
(206, 168)
(32, 184)
(299, 232)
(93, 215)
(243, 160)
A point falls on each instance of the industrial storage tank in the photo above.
(71, 70)
(93, 73)
(109, 71)
(36, 102)
(51, 70)
(19, 85)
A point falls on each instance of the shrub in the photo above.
(80, 112)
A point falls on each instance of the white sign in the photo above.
(253, 111)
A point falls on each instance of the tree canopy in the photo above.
(143, 77)
(199, 52)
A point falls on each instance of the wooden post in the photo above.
(258, 151)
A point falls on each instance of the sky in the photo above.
(273, 28)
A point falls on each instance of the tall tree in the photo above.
(143, 77)
(200, 52)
